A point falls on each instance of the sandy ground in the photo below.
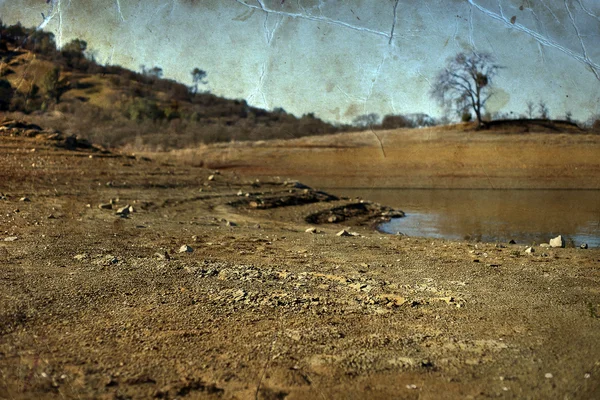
(418, 158)
(99, 305)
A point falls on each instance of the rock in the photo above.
(333, 219)
(124, 211)
(105, 206)
(230, 223)
(211, 178)
(295, 185)
(583, 246)
(10, 238)
(529, 250)
(311, 230)
(185, 249)
(163, 256)
(544, 245)
(240, 192)
(557, 242)
(512, 242)
(343, 232)
(24, 199)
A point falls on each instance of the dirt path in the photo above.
(96, 305)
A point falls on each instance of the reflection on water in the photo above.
(527, 216)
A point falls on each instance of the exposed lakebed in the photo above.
(526, 216)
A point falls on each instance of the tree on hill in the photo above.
(366, 120)
(466, 83)
(52, 84)
(530, 109)
(6, 94)
(543, 110)
(198, 76)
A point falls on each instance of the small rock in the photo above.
(10, 239)
(126, 210)
(230, 223)
(545, 245)
(105, 206)
(512, 242)
(583, 246)
(529, 250)
(557, 242)
(548, 376)
(211, 178)
(343, 232)
(24, 199)
(333, 219)
(163, 256)
(185, 249)
(240, 192)
(311, 230)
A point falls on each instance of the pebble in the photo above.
(583, 246)
(126, 210)
(343, 232)
(211, 178)
(10, 239)
(548, 375)
(24, 199)
(311, 230)
(185, 249)
(163, 256)
(230, 223)
(529, 250)
(105, 206)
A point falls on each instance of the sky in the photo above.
(342, 58)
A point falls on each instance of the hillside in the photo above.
(66, 91)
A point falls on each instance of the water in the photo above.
(526, 216)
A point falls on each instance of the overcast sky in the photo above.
(340, 59)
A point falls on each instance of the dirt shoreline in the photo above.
(95, 304)
(416, 158)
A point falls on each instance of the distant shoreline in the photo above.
(431, 158)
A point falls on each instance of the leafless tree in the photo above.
(466, 83)
(543, 110)
(530, 109)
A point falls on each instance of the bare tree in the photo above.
(569, 116)
(530, 109)
(543, 110)
(466, 83)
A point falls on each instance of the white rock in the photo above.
(343, 232)
(311, 230)
(529, 250)
(185, 249)
(557, 242)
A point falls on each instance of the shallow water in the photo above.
(526, 216)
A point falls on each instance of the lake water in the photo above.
(526, 216)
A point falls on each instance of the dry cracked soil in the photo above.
(109, 303)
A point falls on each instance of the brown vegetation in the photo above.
(114, 106)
